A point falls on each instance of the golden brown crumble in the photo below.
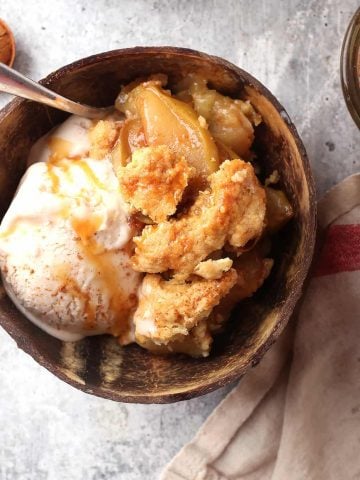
(103, 137)
(232, 209)
(154, 180)
(168, 310)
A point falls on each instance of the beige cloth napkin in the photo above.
(296, 416)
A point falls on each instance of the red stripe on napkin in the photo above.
(341, 251)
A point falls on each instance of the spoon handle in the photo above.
(15, 83)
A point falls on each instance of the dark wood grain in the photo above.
(98, 365)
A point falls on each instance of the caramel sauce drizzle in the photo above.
(10, 230)
(73, 288)
(102, 261)
(59, 149)
(59, 156)
(85, 229)
(55, 182)
(14, 224)
(90, 174)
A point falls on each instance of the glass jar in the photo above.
(350, 67)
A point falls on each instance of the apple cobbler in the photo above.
(203, 219)
(150, 224)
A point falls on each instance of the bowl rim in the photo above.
(349, 67)
(208, 385)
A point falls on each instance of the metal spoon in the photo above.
(15, 83)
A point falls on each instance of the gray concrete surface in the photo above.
(49, 430)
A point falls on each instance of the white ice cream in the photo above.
(63, 241)
(74, 131)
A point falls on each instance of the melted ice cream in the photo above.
(64, 241)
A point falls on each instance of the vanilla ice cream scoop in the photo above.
(65, 241)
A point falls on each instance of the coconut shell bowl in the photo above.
(98, 365)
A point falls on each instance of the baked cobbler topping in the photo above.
(150, 225)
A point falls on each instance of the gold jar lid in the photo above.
(350, 67)
(7, 44)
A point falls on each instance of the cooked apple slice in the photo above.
(225, 152)
(230, 125)
(167, 121)
(278, 209)
(130, 139)
(230, 121)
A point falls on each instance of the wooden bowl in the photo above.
(97, 365)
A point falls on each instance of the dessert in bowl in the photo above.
(155, 226)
